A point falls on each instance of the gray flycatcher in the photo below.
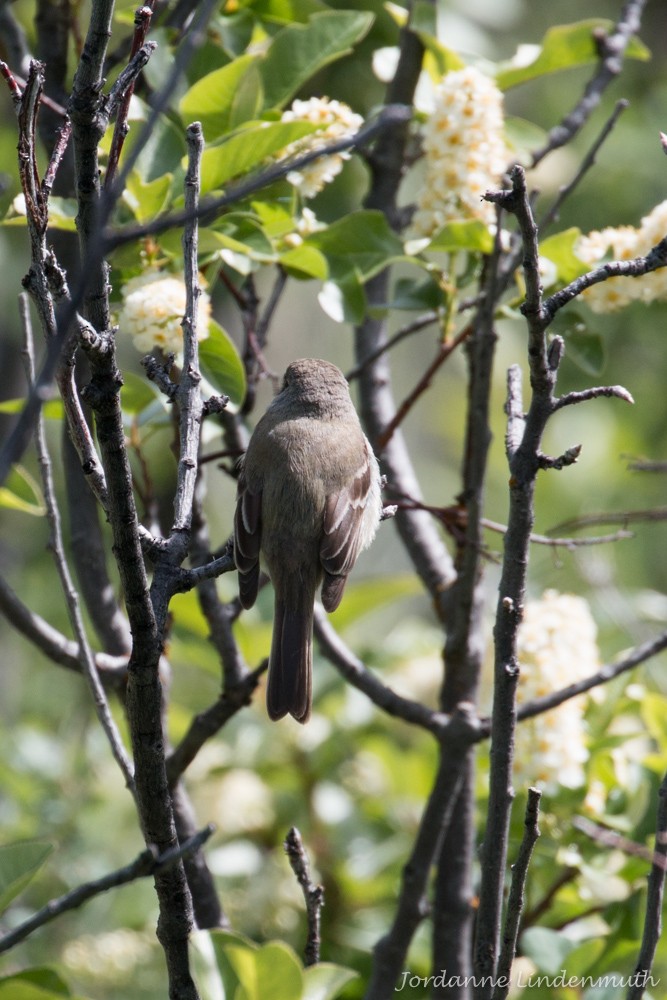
(308, 500)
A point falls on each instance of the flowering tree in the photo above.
(185, 175)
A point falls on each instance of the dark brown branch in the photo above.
(586, 164)
(148, 863)
(445, 350)
(142, 20)
(209, 722)
(516, 900)
(354, 671)
(54, 645)
(635, 268)
(612, 51)
(87, 660)
(211, 207)
(312, 894)
(412, 906)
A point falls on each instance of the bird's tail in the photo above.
(291, 662)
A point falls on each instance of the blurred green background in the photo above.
(353, 783)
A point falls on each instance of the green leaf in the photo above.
(22, 492)
(246, 149)
(147, 199)
(361, 242)
(368, 595)
(39, 983)
(408, 294)
(278, 972)
(62, 215)
(52, 409)
(305, 262)
(442, 60)
(344, 300)
(137, 393)
(586, 348)
(216, 99)
(563, 46)
(221, 365)
(19, 863)
(298, 51)
(463, 234)
(255, 973)
(547, 948)
(163, 149)
(560, 250)
(325, 980)
(523, 136)
(287, 11)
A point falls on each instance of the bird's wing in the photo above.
(247, 541)
(343, 535)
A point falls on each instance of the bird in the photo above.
(308, 502)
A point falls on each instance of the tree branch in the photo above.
(148, 863)
(312, 894)
(516, 900)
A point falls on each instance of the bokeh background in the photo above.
(355, 791)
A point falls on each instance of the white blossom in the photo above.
(465, 152)
(338, 121)
(153, 310)
(624, 243)
(557, 645)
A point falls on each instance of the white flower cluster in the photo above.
(465, 152)
(557, 645)
(153, 309)
(624, 243)
(306, 224)
(338, 121)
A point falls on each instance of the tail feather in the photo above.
(291, 663)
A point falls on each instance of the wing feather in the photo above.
(247, 541)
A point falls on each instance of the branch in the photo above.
(444, 351)
(634, 268)
(607, 673)
(312, 894)
(594, 392)
(416, 326)
(390, 951)
(87, 660)
(612, 51)
(211, 207)
(209, 722)
(58, 648)
(148, 863)
(354, 671)
(516, 900)
(586, 164)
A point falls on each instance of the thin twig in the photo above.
(415, 326)
(655, 259)
(211, 207)
(445, 350)
(209, 722)
(354, 671)
(312, 894)
(586, 164)
(516, 900)
(616, 841)
(612, 51)
(607, 673)
(142, 20)
(88, 666)
(53, 644)
(145, 864)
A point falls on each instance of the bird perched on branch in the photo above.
(309, 501)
